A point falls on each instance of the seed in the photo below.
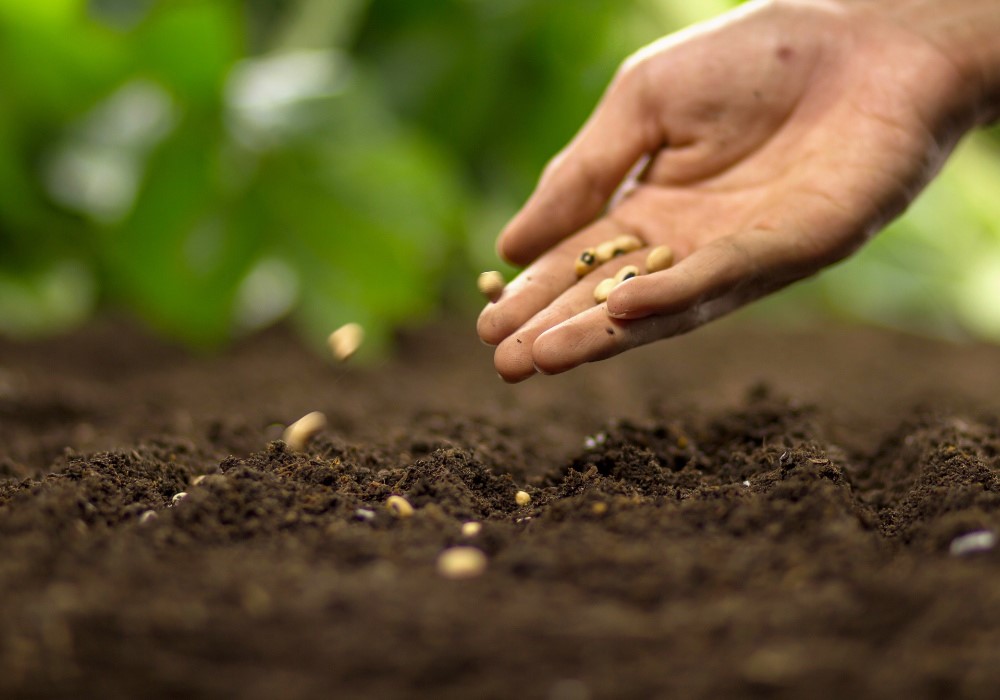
(605, 251)
(299, 433)
(459, 563)
(972, 542)
(603, 289)
(491, 284)
(399, 506)
(626, 243)
(346, 340)
(148, 516)
(522, 498)
(599, 508)
(178, 497)
(471, 529)
(364, 514)
(626, 273)
(198, 479)
(586, 262)
(659, 258)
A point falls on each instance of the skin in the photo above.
(761, 147)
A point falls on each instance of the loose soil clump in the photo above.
(738, 513)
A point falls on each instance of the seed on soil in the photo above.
(471, 529)
(522, 498)
(299, 433)
(198, 479)
(973, 542)
(626, 273)
(459, 563)
(659, 258)
(586, 262)
(346, 340)
(148, 516)
(178, 497)
(491, 284)
(603, 289)
(364, 514)
(399, 506)
(599, 508)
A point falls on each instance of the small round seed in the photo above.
(659, 258)
(399, 506)
(586, 262)
(299, 433)
(491, 284)
(458, 563)
(626, 243)
(603, 289)
(599, 508)
(471, 529)
(346, 340)
(198, 479)
(147, 516)
(626, 273)
(522, 498)
(178, 497)
(605, 251)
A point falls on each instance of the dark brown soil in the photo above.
(738, 513)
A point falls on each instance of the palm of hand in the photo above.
(778, 141)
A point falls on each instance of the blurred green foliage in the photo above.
(213, 166)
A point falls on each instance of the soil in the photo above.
(743, 512)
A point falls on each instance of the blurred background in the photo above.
(213, 167)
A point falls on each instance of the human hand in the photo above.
(779, 138)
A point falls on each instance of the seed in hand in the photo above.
(617, 246)
(491, 284)
(346, 340)
(586, 262)
(603, 289)
(659, 258)
(626, 273)
(299, 433)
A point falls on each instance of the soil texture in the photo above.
(740, 513)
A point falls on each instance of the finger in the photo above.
(579, 181)
(513, 356)
(726, 265)
(592, 335)
(542, 282)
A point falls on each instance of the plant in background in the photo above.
(215, 166)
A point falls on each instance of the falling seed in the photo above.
(471, 529)
(586, 262)
(626, 273)
(522, 498)
(178, 497)
(346, 340)
(491, 284)
(299, 433)
(364, 514)
(747, 484)
(972, 542)
(458, 563)
(603, 289)
(659, 258)
(399, 506)
(148, 517)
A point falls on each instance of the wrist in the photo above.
(965, 33)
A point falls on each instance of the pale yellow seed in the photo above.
(178, 497)
(299, 433)
(491, 284)
(147, 516)
(605, 251)
(599, 508)
(399, 506)
(603, 289)
(625, 273)
(458, 563)
(471, 529)
(198, 479)
(585, 262)
(346, 340)
(659, 258)
(626, 243)
(522, 498)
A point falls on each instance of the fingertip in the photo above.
(513, 360)
(548, 353)
(625, 301)
(487, 328)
